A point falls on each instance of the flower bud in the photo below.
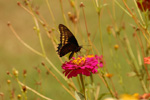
(24, 88)
(116, 47)
(19, 96)
(8, 81)
(15, 72)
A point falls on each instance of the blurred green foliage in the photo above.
(14, 55)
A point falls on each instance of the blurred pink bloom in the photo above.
(147, 60)
(145, 96)
(82, 65)
(143, 5)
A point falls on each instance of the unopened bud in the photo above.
(116, 47)
(19, 96)
(15, 72)
(8, 81)
(81, 4)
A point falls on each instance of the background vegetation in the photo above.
(15, 55)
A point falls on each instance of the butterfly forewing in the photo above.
(66, 35)
(68, 42)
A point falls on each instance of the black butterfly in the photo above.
(68, 42)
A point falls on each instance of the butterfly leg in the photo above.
(71, 55)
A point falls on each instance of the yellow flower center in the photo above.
(81, 60)
(89, 56)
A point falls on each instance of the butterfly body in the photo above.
(68, 42)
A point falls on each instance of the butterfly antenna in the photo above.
(84, 48)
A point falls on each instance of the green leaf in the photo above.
(79, 96)
(131, 74)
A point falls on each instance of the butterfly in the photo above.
(68, 42)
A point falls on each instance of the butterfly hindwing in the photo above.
(68, 42)
(66, 49)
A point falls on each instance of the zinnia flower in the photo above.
(82, 65)
(143, 5)
(147, 60)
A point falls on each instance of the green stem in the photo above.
(144, 86)
(78, 82)
(139, 12)
(82, 82)
(25, 44)
(123, 8)
(107, 86)
(93, 85)
(41, 42)
(32, 90)
(49, 8)
(63, 12)
(87, 30)
(137, 69)
(20, 86)
(101, 39)
(56, 69)
(137, 22)
(132, 56)
(38, 30)
(39, 35)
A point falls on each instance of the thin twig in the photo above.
(58, 80)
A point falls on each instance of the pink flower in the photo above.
(143, 5)
(82, 65)
(147, 60)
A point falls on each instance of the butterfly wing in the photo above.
(66, 36)
(68, 43)
(66, 49)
